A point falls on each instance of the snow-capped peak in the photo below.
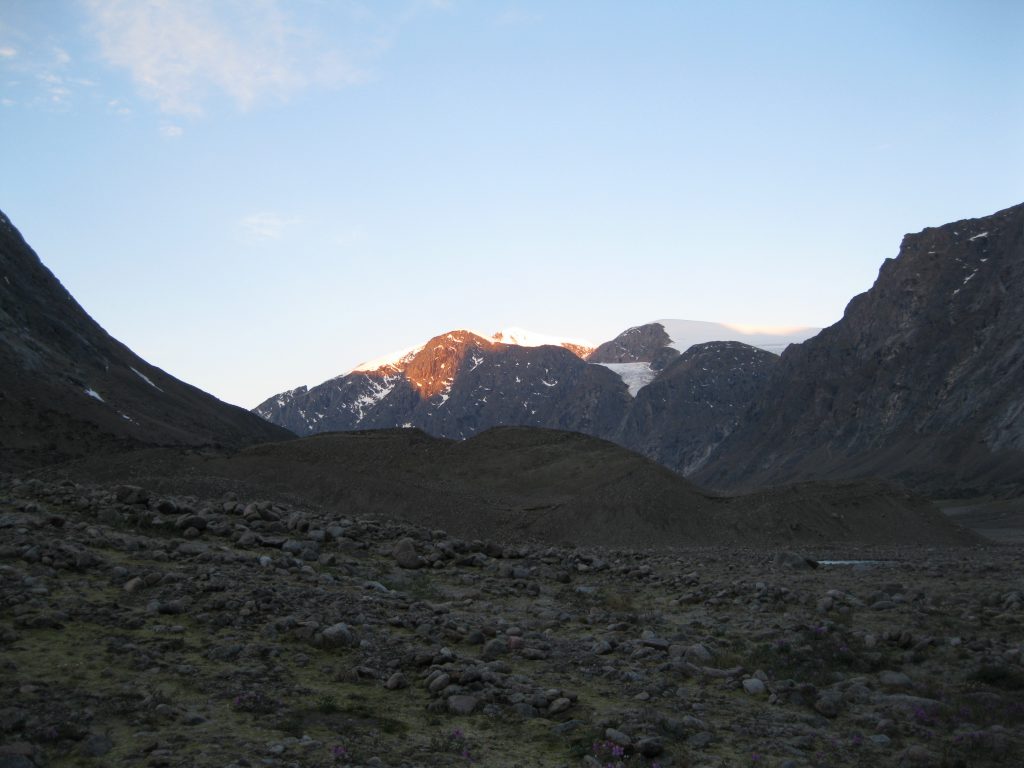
(521, 337)
(518, 337)
(392, 359)
(686, 333)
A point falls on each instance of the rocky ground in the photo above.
(154, 630)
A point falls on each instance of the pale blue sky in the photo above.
(255, 195)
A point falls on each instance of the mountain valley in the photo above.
(920, 382)
(491, 548)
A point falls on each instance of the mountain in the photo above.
(639, 353)
(641, 344)
(921, 381)
(695, 403)
(68, 389)
(458, 384)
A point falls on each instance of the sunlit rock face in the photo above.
(458, 384)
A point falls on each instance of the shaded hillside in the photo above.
(921, 382)
(695, 403)
(512, 483)
(68, 389)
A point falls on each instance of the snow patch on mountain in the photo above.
(377, 390)
(636, 376)
(146, 379)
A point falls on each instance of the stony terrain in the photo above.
(163, 630)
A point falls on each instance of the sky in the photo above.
(256, 195)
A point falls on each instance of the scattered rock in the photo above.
(461, 704)
(793, 561)
(405, 555)
(338, 635)
(754, 687)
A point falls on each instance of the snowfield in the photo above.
(635, 375)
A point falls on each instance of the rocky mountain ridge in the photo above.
(460, 383)
(921, 381)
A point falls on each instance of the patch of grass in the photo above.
(814, 658)
(327, 704)
(418, 585)
(619, 601)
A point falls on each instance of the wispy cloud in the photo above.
(40, 75)
(183, 53)
(55, 87)
(171, 131)
(266, 226)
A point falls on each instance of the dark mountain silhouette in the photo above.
(695, 403)
(67, 388)
(922, 381)
(641, 344)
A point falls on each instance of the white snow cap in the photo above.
(393, 358)
(521, 337)
(686, 333)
